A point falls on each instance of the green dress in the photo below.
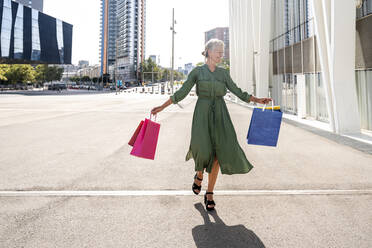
(212, 133)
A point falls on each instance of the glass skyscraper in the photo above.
(30, 36)
(34, 4)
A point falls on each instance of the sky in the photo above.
(193, 17)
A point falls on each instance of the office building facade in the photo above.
(123, 35)
(221, 34)
(33, 4)
(313, 57)
(30, 36)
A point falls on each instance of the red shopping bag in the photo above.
(134, 136)
(147, 139)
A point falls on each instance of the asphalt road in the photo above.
(78, 143)
(53, 92)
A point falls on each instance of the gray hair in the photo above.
(211, 44)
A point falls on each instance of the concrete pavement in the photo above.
(79, 143)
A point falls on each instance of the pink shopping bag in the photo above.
(147, 139)
(134, 136)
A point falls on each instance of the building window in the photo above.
(18, 33)
(6, 28)
(365, 9)
(36, 50)
(60, 40)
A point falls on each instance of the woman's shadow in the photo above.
(218, 234)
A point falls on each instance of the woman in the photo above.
(213, 139)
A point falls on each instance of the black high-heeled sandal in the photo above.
(207, 202)
(195, 186)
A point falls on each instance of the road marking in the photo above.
(183, 192)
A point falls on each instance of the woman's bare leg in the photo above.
(212, 178)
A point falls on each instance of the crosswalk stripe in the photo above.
(183, 192)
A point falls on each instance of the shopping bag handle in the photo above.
(152, 115)
(272, 106)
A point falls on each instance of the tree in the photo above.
(59, 73)
(165, 74)
(85, 79)
(53, 73)
(225, 63)
(95, 80)
(3, 71)
(41, 73)
(20, 74)
(150, 67)
(178, 75)
(45, 73)
(75, 79)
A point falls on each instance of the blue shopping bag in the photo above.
(264, 127)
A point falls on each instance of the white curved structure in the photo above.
(306, 49)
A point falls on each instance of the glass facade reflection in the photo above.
(294, 22)
(30, 36)
(295, 54)
(364, 92)
(6, 28)
(18, 33)
(364, 71)
(59, 28)
(36, 50)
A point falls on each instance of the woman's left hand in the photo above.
(263, 100)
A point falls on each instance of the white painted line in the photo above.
(184, 192)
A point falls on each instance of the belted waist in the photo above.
(212, 116)
(210, 97)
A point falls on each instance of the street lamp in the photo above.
(173, 33)
(116, 67)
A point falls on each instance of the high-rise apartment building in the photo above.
(221, 34)
(108, 34)
(34, 4)
(123, 38)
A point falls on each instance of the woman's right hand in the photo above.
(156, 110)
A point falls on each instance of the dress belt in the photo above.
(210, 97)
(212, 117)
